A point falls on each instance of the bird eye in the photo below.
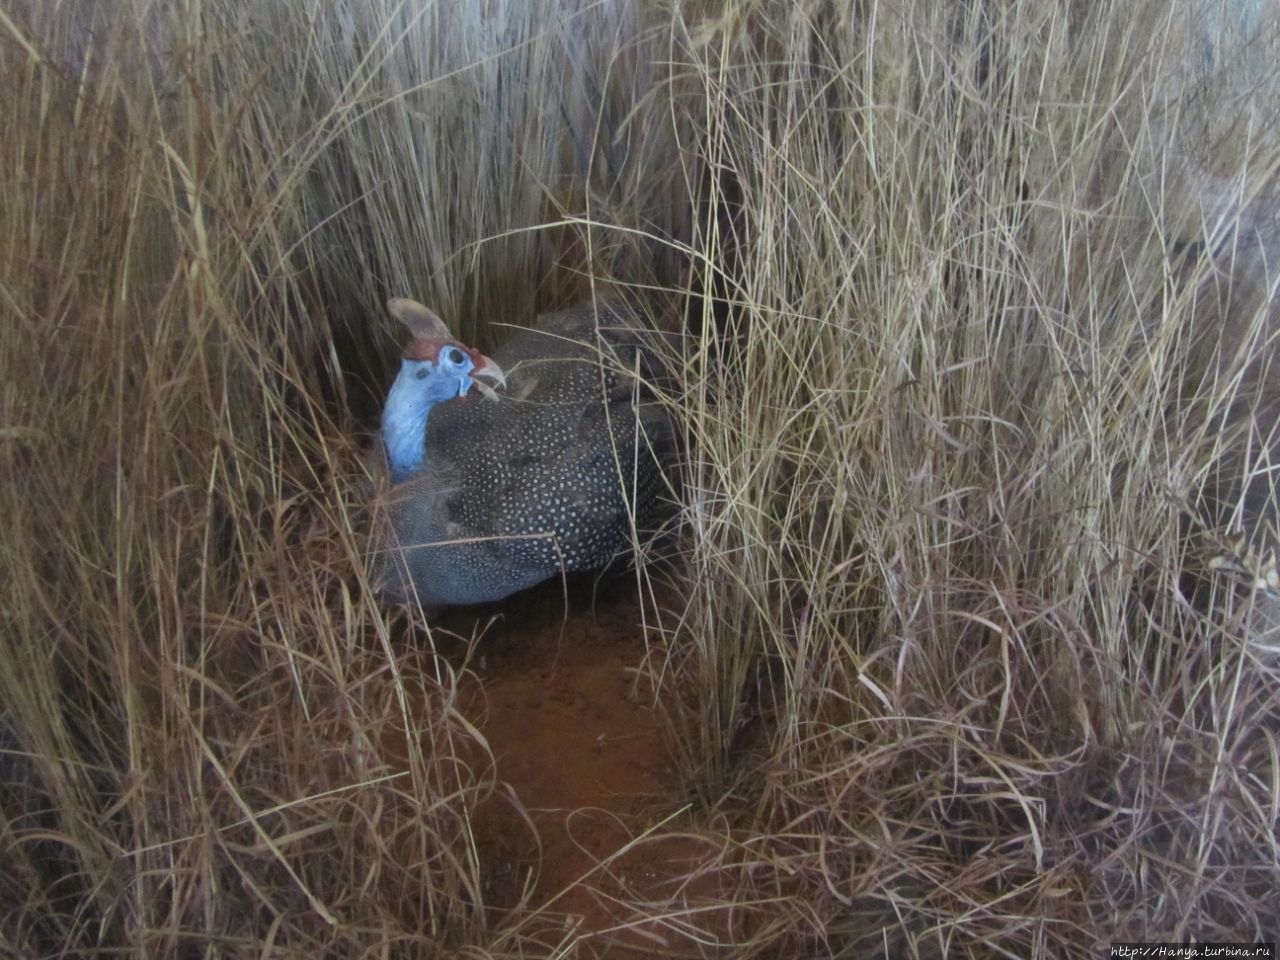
(455, 356)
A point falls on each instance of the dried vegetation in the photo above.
(976, 653)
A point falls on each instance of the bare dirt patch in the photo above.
(596, 825)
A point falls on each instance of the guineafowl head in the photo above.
(434, 368)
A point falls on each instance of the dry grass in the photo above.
(961, 500)
(978, 653)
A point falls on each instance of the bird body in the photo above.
(541, 477)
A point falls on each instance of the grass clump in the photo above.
(976, 653)
(999, 399)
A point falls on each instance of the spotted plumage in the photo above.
(543, 476)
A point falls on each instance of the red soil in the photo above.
(575, 735)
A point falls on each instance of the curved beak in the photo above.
(484, 367)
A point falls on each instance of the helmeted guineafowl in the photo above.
(494, 493)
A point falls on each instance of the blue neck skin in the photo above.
(404, 418)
